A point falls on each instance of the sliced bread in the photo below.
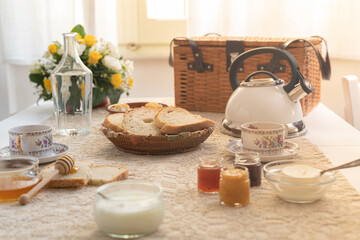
(102, 174)
(141, 121)
(79, 178)
(86, 173)
(114, 122)
(174, 120)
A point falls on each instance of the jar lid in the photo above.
(246, 158)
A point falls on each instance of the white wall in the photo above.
(155, 78)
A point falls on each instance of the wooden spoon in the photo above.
(351, 164)
(63, 165)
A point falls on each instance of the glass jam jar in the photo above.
(209, 174)
(234, 187)
(18, 175)
(251, 160)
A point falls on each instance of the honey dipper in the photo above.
(63, 165)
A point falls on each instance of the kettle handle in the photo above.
(282, 54)
(261, 72)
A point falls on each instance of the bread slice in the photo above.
(86, 174)
(102, 174)
(141, 121)
(174, 120)
(76, 179)
(114, 122)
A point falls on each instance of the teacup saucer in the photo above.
(58, 150)
(290, 150)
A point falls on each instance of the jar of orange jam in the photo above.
(209, 174)
(234, 187)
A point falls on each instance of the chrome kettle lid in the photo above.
(262, 82)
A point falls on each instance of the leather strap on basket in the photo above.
(199, 64)
(325, 65)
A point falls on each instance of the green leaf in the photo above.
(98, 96)
(37, 78)
(79, 29)
(114, 95)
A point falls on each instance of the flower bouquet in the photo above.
(112, 75)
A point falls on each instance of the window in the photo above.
(146, 27)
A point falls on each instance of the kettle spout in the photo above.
(301, 89)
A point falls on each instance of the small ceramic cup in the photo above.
(33, 140)
(264, 137)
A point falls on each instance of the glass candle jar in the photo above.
(251, 160)
(209, 174)
(18, 175)
(129, 209)
(234, 187)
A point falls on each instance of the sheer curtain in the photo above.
(28, 27)
(337, 21)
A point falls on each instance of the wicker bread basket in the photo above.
(155, 145)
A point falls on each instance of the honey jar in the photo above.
(234, 187)
(18, 175)
(209, 174)
(251, 160)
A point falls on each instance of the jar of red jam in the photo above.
(209, 173)
(251, 160)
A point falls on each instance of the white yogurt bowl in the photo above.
(129, 209)
(297, 181)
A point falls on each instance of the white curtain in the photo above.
(28, 27)
(337, 21)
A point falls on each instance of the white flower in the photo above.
(106, 48)
(80, 48)
(65, 85)
(112, 63)
(129, 67)
(35, 67)
(48, 63)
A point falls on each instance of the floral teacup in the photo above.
(33, 140)
(264, 137)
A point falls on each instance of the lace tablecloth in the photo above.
(68, 213)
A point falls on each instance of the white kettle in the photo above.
(266, 99)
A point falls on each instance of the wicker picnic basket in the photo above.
(201, 68)
(155, 145)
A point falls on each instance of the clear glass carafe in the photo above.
(71, 83)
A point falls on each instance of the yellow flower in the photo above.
(47, 84)
(94, 57)
(116, 80)
(89, 40)
(131, 82)
(53, 48)
(82, 86)
(79, 39)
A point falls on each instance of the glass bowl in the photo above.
(304, 190)
(18, 175)
(129, 209)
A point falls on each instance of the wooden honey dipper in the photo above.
(63, 165)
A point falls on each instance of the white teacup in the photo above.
(33, 140)
(264, 137)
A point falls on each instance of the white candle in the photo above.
(130, 212)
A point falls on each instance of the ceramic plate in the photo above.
(290, 150)
(58, 150)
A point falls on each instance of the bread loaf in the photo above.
(174, 120)
(140, 121)
(86, 173)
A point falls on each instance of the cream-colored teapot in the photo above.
(266, 99)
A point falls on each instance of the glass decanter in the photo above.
(71, 83)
